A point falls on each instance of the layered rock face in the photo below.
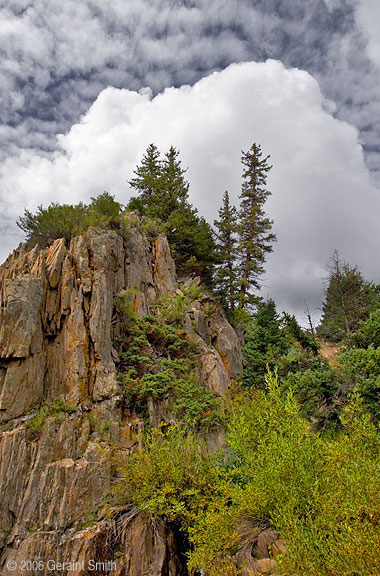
(56, 310)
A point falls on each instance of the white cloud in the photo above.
(322, 194)
(58, 56)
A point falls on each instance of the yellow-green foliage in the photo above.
(172, 477)
(348, 498)
(322, 496)
(35, 424)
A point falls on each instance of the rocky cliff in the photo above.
(59, 392)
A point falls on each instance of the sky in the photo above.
(86, 85)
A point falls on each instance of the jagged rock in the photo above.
(213, 372)
(149, 550)
(134, 549)
(56, 310)
(226, 342)
(20, 323)
(54, 262)
(164, 267)
(21, 386)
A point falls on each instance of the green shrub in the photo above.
(361, 371)
(158, 361)
(55, 221)
(172, 477)
(35, 424)
(59, 406)
(348, 500)
(272, 466)
(54, 408)
(321, 496)
(67, 220)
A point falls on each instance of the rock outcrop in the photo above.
(59, 393)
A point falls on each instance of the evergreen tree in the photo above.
(264, 344)
(255, 236)
(226, 276)
(163, 195)
(294, 331)
(174, 189)
(192, 243)
(147, 180)
(349, 298)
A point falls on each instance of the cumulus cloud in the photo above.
(322, 197)
(57, 57)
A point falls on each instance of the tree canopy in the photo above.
(163, 194)
(349, 298)
(244, 236)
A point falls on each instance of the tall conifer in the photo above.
(174, 189)
(147, 180)
(164, 196)
(226, 276)
(255, 228)
(349, 298)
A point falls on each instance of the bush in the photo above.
(54, 408)
(361, 372)
(348, 500)
(56, 221)
(272, 466)
(36, 423)
(67, 220)
(172, 477)
(321, 496)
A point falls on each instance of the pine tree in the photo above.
(255, 236)
(192, 243)
(174, 189)
(264, 344)
(349, 298)
(163, 195)
(226, 276)
(147, 181)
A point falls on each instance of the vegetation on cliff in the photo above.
(300, 458)
(157, 361)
